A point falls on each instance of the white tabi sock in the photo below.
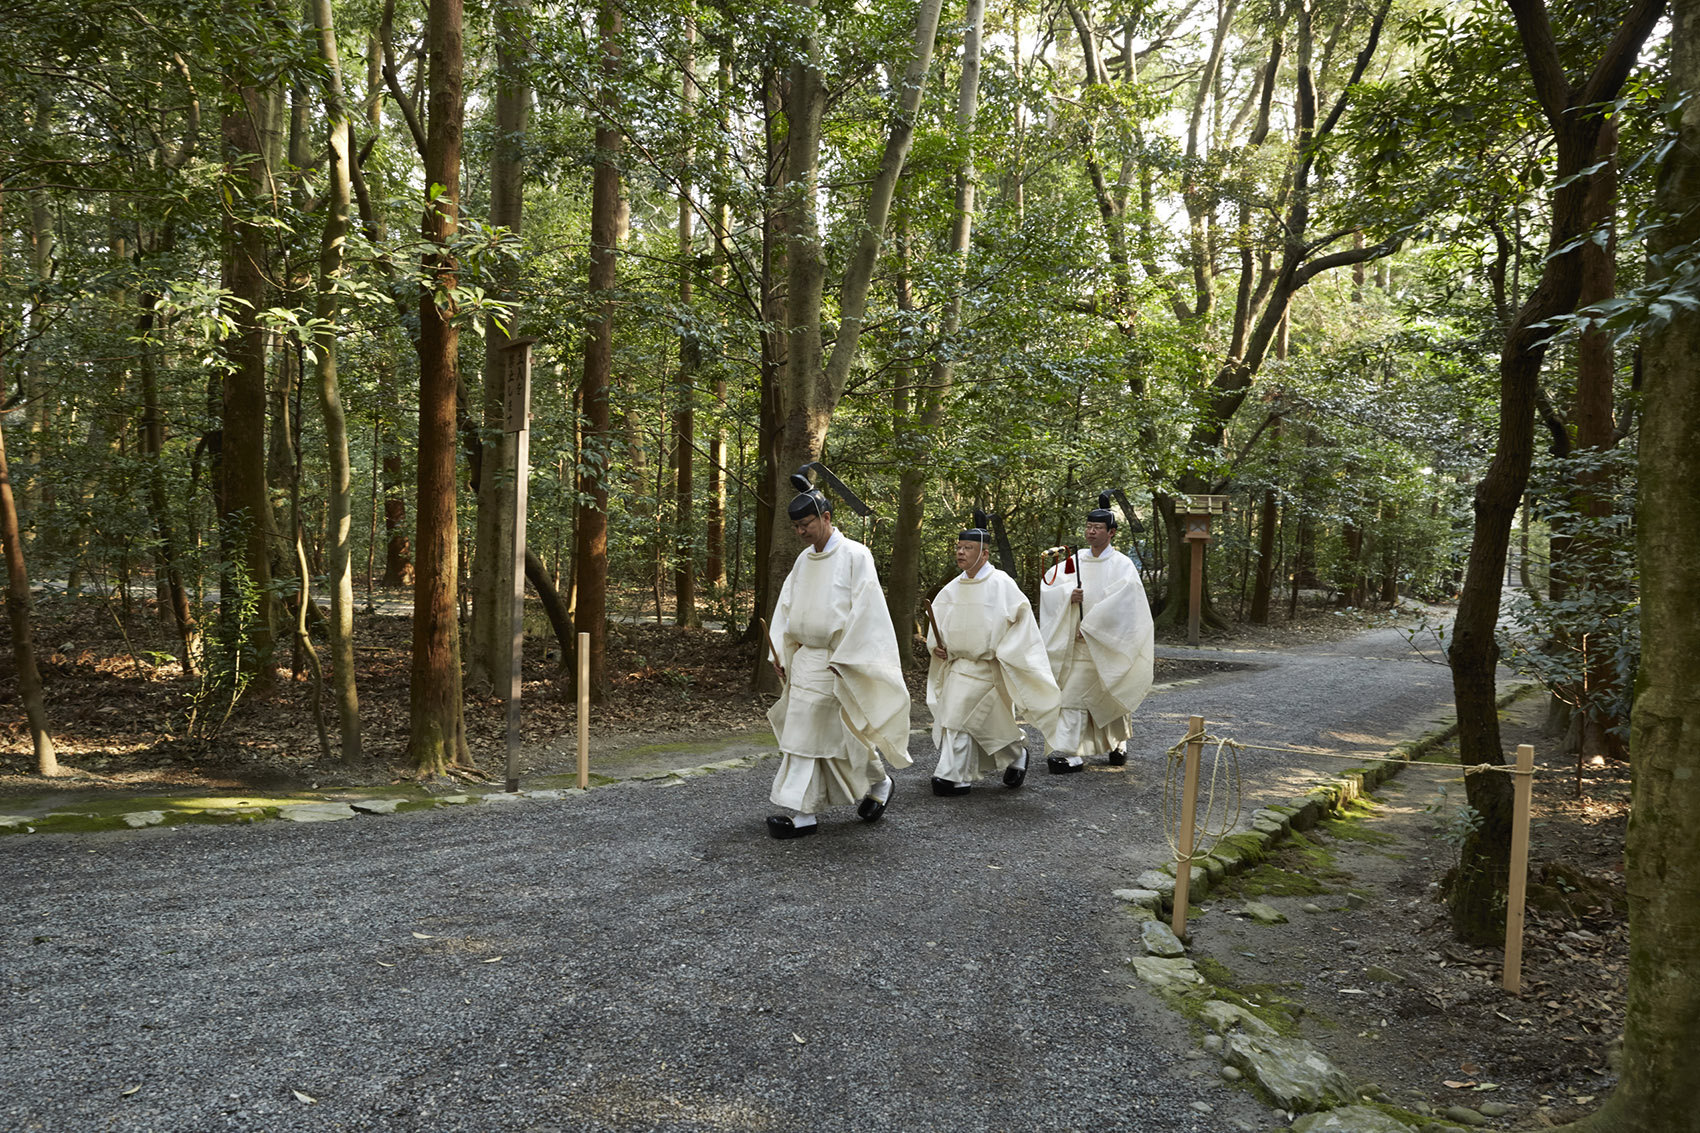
(1020, 761)
(801, 820)
(881, 792)
(1075, 761)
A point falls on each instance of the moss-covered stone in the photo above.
(1269, 880)
(1250, 849)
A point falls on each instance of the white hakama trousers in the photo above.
(1078, 732)
(963, 760)
(822, 763)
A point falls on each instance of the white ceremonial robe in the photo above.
(1105, 673)
(996, 666)
(844, 693)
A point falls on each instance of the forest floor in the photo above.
(1367, 969)
(1365, 962)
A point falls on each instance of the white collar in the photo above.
(832, 541)
(985, 570)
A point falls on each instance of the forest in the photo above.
(1381, 273)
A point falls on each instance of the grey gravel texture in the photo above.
(644, 957)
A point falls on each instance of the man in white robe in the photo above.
(844, 703)
(989, 664)
(1101, 642)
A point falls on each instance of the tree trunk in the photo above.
(1265, 584)
(714, 556)
(491, 640)
(1658, 1091)
(247, 530)
(690, 360)
(774, 346)
(18, 615)
(904, 583)
(159, 506)
(1596, 432)
(811, 387)
(554, 606)
(1477, 898)
(18, 606)
(437, 735)
(590, 614)
(339, 573)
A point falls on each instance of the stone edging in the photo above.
(327, 809)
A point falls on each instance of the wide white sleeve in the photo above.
(1023, 663)
(1121, 638)
(869, 671)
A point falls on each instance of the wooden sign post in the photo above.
(1522, 786)
(1196, 531)
(516, 424)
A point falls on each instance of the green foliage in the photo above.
(1581, 638)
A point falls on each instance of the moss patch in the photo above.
(702, 747)
(1351, 823)
(1262, 1000)
(1270, 880)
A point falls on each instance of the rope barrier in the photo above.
(1173, 789)
(1356, 757)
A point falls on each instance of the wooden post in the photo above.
(1189, 814)
(516, 408)
(584, 711)
(1196, 598)
(1522, 786)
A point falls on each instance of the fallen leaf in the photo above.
(301, 1097)
(381, 964)
(1584, 1099)
(491, 960)
(1451, 1085)
(127, 1093)
(798, 1037)
(423, 936)
(994, 867)
(1483, 1087)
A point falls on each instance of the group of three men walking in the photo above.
(1075, 674)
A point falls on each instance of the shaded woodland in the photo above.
(1378, 272)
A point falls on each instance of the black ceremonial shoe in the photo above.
(945, 788)
(1059, 765)
(1014, 776)
(1116, 757)
(780, 826)
(870, 809)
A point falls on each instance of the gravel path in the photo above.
(644, 957)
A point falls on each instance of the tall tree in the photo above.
(339, 573)
(590, 614)
(1657, 1089)
(690, 360)
(903, 583)
(813, 380)
(18, 599)
(491, 644)
(1571, 105)
(437, 724)
(252, 134)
